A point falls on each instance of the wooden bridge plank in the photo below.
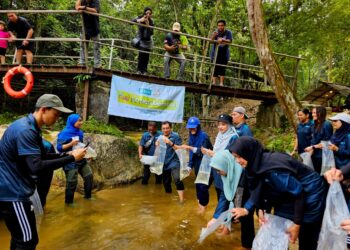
(69, 72)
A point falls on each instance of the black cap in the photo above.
(225, 118)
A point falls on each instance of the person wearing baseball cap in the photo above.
(340, 140)
(198, 139)
(239, 116)
(22, 158)
(174, 45)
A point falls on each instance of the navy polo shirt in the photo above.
(243, 130)
(304, 135)
(171, 159)
(148, 142)
(21, 138)
(324, 134)
(342, 156)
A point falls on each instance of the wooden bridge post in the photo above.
(86, 99)
(86, 54)
(111, 55)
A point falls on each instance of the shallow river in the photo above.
(128, 217)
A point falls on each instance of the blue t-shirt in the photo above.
(171, 159)
(148, 142)
(224, 49)
(324, 134)
(243, 130)
(21, 138)
(342, 156)
(304, 135)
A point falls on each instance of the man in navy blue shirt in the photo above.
(22, 158)
(171, 167)
(239, 116)
(147, 146)
(223, 37)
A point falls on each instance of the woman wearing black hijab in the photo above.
(278, 181)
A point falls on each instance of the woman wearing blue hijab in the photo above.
(198, 139)
(65, 143)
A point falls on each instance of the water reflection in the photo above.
(129, 217)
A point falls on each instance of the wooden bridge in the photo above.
(69, 72)
(246, 73)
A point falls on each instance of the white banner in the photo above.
(146, 101)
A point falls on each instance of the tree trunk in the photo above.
(283, 91)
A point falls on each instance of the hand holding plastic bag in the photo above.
(327, 157)
(272, 235)
(185, 170)
(209, 230)
(204, 171)
(157, 167)
(35, 199)
(306, 157)
(332, 236)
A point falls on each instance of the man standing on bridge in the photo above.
(174, 44)
(23, 30)
(92, 29)
(223, 37)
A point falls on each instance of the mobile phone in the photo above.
(87, 144)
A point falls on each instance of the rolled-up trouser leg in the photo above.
(202, 194)
(146, 174)
(175, 172)
(86, 173)
(159, 178)
(71, 184)
(167, 180)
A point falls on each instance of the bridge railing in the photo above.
(201, 67)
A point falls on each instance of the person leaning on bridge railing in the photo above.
(144, 39)
(23, 30)
(223, 38)
(92, 29)
(174, 44)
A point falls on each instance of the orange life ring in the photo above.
(7, 82)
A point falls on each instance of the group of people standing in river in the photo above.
(265, 181)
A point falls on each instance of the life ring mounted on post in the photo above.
(7, 82)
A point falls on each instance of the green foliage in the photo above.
(81, 78)
(7, 118)
(276, 139)
(97, 127)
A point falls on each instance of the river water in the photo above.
(128, 217)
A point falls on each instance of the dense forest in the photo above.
(316, 30)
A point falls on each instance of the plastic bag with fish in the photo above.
(204, 171)
(157, 167)
(272, 235)
(185, 170)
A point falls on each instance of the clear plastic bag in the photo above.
(90, 152)
(157, 167)
(327, 157)
(332, 236)
(148, 159)
(35, 199)
(306, 157)
(204, 171)
(209, 230)
(272, 235)
(185, 170)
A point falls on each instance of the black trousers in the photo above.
(317, 162)
(143, 60)
(43, 184)
(20, 221)
(308, 235)
(147, 175)
(175, 174)
(247, 222)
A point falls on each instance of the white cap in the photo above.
(176, 27)
(342, 117)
